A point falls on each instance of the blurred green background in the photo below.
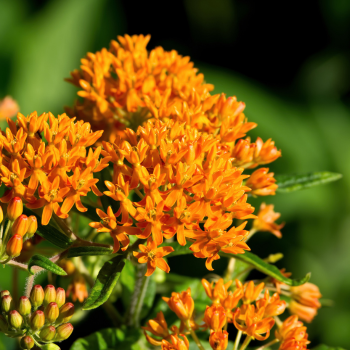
(288, 61)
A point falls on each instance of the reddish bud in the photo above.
(51, 312)
(24, 306)
(64, 331)
(7, 303)
(14, 208)
(15, 319)
(4, 292)
(32, 226)
(20, 226)
(37, 296)
(27, 342)
(48, 333)
(37, 320)
(66, 313)
(50, 294)
(14, 246)
(60, 296)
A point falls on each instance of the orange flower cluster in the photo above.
(39, 172)
(292, 335)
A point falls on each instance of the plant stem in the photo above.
(246, 342)
(268, 344)
(238, 339)
(195, 338)
(4, 240)
(251, 233)
(141, 283)
(139, 193)
(29, 285)
(230, 269)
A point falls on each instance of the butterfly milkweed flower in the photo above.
(8, 108)
(266, 220)
(153, 256)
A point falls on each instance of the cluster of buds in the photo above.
(19, 228)
(38, 320)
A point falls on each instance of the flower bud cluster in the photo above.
(40, 319)
(20, 227)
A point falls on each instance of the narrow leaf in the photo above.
(45, 263)
(105, 282)
(290, 183)
(268, 269)
(49, 232)
(89, 251)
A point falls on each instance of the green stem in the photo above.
(3, 247)
(230, 269)
(141, 283)
(268, 344)
(195, 338)
(238, 339)
(251, 233)
(29, 285)
(246, 342)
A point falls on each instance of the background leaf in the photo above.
(89, 251)
(105, 282)
(268, 269)
(45, 263)
(49, 232)
(290, 183)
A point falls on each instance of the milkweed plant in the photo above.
(148, 164)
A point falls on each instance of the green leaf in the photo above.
(49, 232)
(178, 249)
(326, 347)
(268, 269)
(127, 280)
(45, 263)
(149, 297)
(290, 183)
(111, 338)
(105, 282)
(89, 251)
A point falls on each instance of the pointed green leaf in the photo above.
(49, 232)
(105, 282)
(89, 251)
(290, 183)
(45, 263)
(264, 267)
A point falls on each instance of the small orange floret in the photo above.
(262, 183)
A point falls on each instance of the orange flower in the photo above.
(215, 317)
(77, 288)
(218, 340)
(266, 220)
(262, 183)
(176, 343)
(118, 233)
(219, 291)
(153, 256)
(305, 313)
(251, 292)
(251, 321)
(232, 300)
(157, 327)
(8, 107)
(273, 306)
(50, 195)
(182, 304)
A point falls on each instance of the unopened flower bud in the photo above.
(64, 331)
(182, 304)
(1, 215)
(14, 246)
(37, 296)
(218, 340)
(27, 342)
(15, 319)
(215, 317)
(3, 324)
(48, 333)
(37, 320)
(51, 312)
(7, 303)
(14, 208)
(32, 226)
(20, 226)
(50, 294)
(50, 347)
(60, 296)
(24, 306)
(4, 292)
(66, 313)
